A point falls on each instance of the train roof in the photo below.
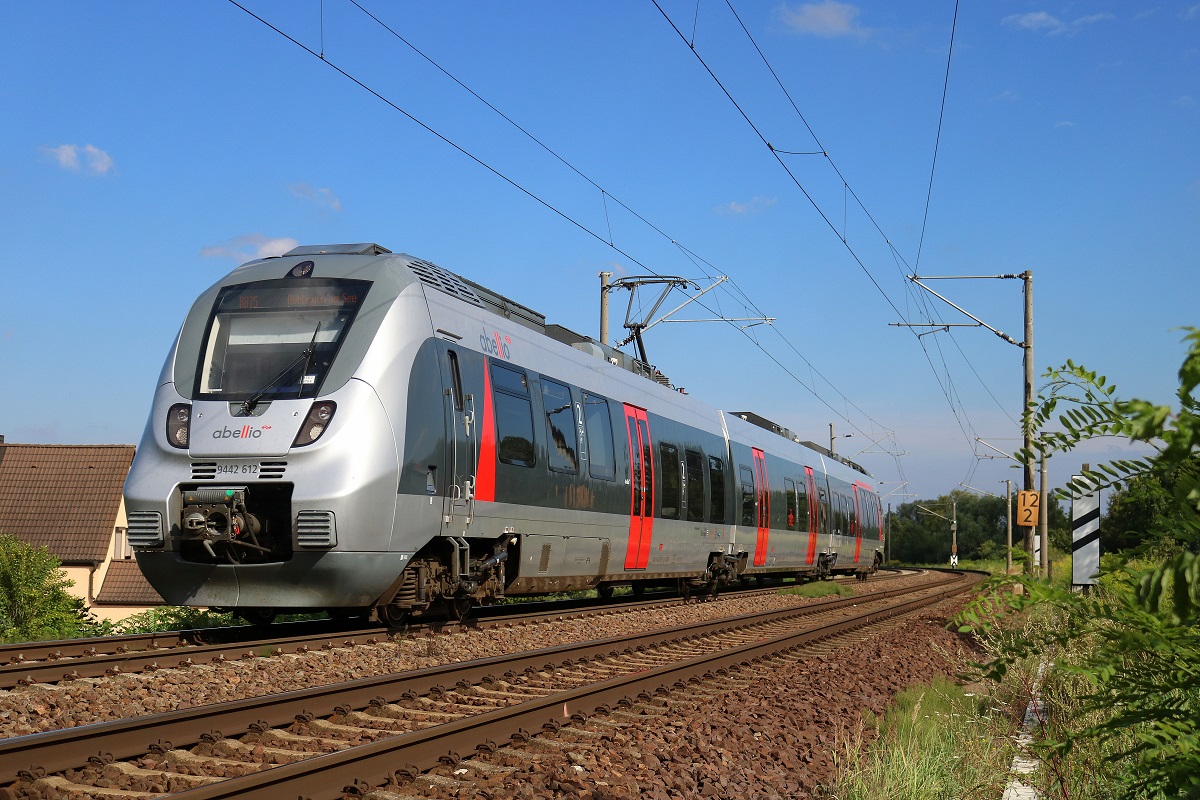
(469, 291)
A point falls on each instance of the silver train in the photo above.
(349, 429)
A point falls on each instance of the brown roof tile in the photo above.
(124, 585)
(63, 497)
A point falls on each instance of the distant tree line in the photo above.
(1143, 512)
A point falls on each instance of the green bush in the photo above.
(34, 602)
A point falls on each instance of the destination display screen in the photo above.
(340, 294)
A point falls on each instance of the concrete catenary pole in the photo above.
(1027, 277)
(605, 277)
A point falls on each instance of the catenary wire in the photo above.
(324, 58)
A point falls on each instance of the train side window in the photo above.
(716, 482)
(598, 424)
(802, 506)
(694, 463)
(669, 486)
(823, 511)
(748, 497)
(456, 377)
(561, 447)
(790, 489)
(514, 416)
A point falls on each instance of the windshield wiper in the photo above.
(251, 403)
(308, 354)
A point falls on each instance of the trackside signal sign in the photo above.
(1029, 505)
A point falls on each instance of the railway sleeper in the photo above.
(295, 740)
(350, 733)
(59, 786)
(378, 722)
(425, 717)
(193, 763)
(260, 753)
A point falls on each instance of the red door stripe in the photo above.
(764, 507)
(813, 510)
(485, 476)
(642, 497)
(857, 525)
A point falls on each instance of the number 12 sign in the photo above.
(1028, 506)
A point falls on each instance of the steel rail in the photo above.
(55, 751)
(62, 660)
(331, 775)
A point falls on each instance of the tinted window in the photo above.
(790, 489)
(802, 506)
(275, 339)
(695, 485)
(716, 482)
(560, 427)
(514, 416)
(747, 497)
(598, 424)
(670, 480)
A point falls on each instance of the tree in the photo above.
(920, 536)
(34, 603)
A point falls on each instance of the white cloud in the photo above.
(249, 247)
(1043, 22)
(829, 19)
(1065, 124)
(1192, 12)
(755, 205)
(67, 156)
(323, 198)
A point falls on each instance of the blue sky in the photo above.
(149, 148)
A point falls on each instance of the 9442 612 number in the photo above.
(237, 469)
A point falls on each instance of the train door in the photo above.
(642, 499)
(856, 516)
(814, 515)
(462, 457)
(763, 517)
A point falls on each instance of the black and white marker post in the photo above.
(1085, 534)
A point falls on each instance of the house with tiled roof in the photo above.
(68, 498)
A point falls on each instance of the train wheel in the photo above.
(392, 616)
(605, 591)
(459, 607)
(257, 616)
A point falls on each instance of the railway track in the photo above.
(387, 730)
(51, 662)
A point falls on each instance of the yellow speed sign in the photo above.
(1028, 507)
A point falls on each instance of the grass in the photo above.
(937, 741)
(819, 589)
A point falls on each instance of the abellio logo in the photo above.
(245, 432)
(493, 345)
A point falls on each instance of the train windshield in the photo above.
(275, 339)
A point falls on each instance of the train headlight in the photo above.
(315, 423)
(179, 423)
